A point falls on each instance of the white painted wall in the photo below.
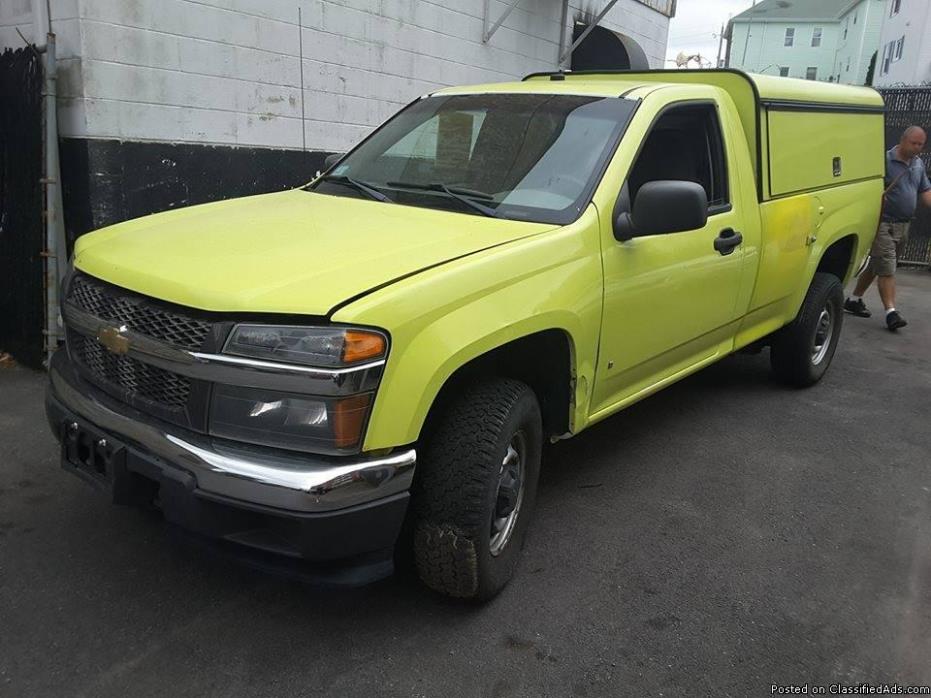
(229, 72)
(913, 22)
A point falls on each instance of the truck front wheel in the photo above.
(475, 490)
(802, 351)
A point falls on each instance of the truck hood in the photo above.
(289, 252)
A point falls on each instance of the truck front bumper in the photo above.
(333, 519)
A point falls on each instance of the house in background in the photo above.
(860, 26)
(830, 40)
(905, 44)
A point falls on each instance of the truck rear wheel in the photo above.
(802, 351)
(477, 483)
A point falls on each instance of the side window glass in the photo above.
(686, 144)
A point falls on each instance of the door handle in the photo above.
(727, 241)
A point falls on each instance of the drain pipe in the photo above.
(55, 252)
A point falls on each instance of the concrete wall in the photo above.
(863, 23)
(913, 22)
(759, 47)
(168, 103)
(229, 71)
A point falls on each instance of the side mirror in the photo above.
(663, 206)
(331, 160)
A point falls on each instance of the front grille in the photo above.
(132, 378)
(137, 313)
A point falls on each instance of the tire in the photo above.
(802, 351)
(466, 541)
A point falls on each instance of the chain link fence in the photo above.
(22, 267)
(908, 106)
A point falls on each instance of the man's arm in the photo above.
(924, 190)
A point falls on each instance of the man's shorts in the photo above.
(888, 247)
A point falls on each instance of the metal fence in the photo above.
(21, 227)
(907, 106)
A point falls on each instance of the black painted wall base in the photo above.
(107, 181)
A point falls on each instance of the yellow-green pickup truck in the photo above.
(324, 379)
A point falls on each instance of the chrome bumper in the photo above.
(252, 475)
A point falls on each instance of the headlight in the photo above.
(333, 422)
(289, 420)
(312, 346)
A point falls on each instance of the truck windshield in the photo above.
(530, 157)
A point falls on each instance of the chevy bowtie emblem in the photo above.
(114, 339)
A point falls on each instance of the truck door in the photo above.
(671, 301)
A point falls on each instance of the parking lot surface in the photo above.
(720, 537)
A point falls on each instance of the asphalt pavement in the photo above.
(723, 536)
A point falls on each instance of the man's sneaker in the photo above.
(895, 321)
(856, 307)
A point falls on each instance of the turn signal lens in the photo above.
(348, 418)
(362, 346)
(288, 420)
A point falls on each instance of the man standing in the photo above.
(906, 182)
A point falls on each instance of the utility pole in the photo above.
(720, 46)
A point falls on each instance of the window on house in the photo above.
(685, 144)
(847, 69)
(790, 36)
(783, 71)
(845, 29)
(816, 37)
(887, 58)
(854, 17)
(899, 45)
(811, 73)
(894, 7)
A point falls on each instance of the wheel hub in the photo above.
(824, 331)
(509, 496)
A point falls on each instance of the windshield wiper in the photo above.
(459, 193)
(358, 185)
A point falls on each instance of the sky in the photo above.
(696, 26)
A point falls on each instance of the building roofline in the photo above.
(848, 8)
(753, 14)
(778, 20)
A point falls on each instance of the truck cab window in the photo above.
(685, 144)
(527, 157)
